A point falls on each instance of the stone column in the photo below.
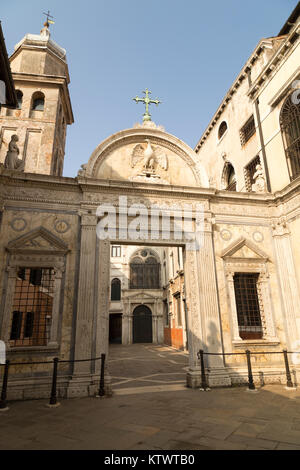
(125, 323)
(103, 280)
(102, 308)
(234, 318)
(204, 328)
(288, 280)
(53, 341)
(9, 298)
(160, 322)
(154, 322)
(86, 291)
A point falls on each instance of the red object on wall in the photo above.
(173, 337)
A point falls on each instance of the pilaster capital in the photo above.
(87, 219)
(12, 271)
(279, 227)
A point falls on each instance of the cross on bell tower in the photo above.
(146, 100)
(48, 22)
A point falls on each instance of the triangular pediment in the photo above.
(38, 240)
(138, 293)
(244, 248)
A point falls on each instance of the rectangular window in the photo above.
(16, 325)
(249, 171)
(247, 131)
(32, 306)
(115, 251)
(247, 305)
(178, 309)
(166, 312)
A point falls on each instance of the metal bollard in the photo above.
(3, 404)
(289, 382)
(204, 385)
(251, 385)
(101, 384)
(53, 399)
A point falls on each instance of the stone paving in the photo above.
(152, 409)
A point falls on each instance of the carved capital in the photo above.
(12, 271)
(279, 227)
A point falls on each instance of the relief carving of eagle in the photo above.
(150, 156)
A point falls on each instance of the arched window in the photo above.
(19, 99)
(228, 177)
(222, 129)
(144, 270)
(290, 128)
(115, 289)
(38, 101)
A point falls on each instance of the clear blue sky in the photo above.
(187, 52)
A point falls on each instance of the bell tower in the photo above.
(41, 77)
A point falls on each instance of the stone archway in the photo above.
(142, 324)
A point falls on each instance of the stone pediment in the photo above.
(38, 240)
(244, 248)
(139, 294)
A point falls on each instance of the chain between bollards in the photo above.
(101, 384)
(3, 404)
(53, 398)
(289, 382)
(251, 385)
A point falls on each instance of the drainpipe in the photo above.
(261, 136)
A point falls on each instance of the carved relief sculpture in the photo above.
(259, 185)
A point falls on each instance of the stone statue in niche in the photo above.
(259, 185)
(12, 161)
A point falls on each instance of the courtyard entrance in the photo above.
(143, 367)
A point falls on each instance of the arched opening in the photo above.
(144, 270)
(222, 129)
(290, 129)
(115, 291)
(19, 95)
(38, 101)
(142, 324)
(228, 177)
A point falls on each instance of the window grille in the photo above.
(32, 307)
(247, 305)
(247, 131)
(249, 171)
(144, 271)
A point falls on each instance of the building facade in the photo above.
(66, 291)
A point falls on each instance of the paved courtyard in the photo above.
(152, 409)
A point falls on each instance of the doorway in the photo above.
(142, 324)
(115, 328)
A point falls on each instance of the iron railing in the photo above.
(247, 353)
(55, 362)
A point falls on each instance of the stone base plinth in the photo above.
(215, 378)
